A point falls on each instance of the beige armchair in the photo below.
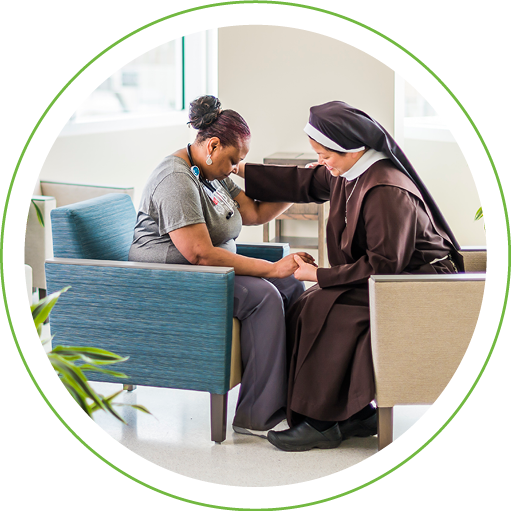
(421, 326)
(28, 280)
(47, 196)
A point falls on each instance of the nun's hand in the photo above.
(312, 164)
(304, 256)
(288, 265)
(305, 271)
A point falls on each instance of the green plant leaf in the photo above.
(44, 342)
(70, 358)
(75, 377)
(41, 310)
(109, 399)
(479, 214)
(114, 395)
(107, 402)
(89, 367)
(110, 409)
(79, 397)
(40, 217)
(97, 362)
(140, 408)
(63, 360)
(91, 355)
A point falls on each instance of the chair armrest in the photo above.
(70, 193)
(38, 239)
(179, 315)
(269, 251)
(474, 258)
(28, 281)
(421, 326)
(100, 263)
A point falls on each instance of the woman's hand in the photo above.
(288, 265)
(305, 270)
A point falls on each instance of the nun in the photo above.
(382, 220)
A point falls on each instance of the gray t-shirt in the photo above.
(173, 198)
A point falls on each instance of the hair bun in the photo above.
(204, 111)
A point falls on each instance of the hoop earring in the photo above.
(209, 161)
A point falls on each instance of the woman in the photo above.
(382, 221)
(190, 213)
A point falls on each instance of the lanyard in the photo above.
(216, 195)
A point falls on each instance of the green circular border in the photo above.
(289, 4)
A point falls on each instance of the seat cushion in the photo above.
(99, 228)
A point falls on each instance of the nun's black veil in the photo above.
(351, 129)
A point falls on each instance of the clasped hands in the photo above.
(301, 264)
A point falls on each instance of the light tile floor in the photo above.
(177, 437)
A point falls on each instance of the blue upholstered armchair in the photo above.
(174, 322)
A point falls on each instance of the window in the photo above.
(421, 121)
(153, 89)
(152, 83)
(415, 104)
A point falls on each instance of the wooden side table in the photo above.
(311, 211)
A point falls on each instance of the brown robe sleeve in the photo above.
(389, 219)
(287, 183)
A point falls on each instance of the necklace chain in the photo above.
(347, 200)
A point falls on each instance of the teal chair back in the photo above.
(99, 228)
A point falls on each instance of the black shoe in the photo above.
(304, 437)
(358, 427)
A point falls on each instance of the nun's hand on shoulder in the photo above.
(312, 164)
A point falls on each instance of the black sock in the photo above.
(365, 413)
(320, 425)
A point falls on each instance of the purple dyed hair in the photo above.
(210, 120)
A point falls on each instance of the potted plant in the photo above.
(71, 364)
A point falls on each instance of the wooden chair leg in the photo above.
(385, 426)
(218, 417)
(266, 233)
(129, 388)
(278, 230)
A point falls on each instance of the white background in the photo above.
(467, 45)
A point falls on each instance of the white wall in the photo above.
(445, 172)
(115, 158)
(273, 75)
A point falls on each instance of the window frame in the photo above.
(199, 73)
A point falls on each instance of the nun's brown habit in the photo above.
(390, 230)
